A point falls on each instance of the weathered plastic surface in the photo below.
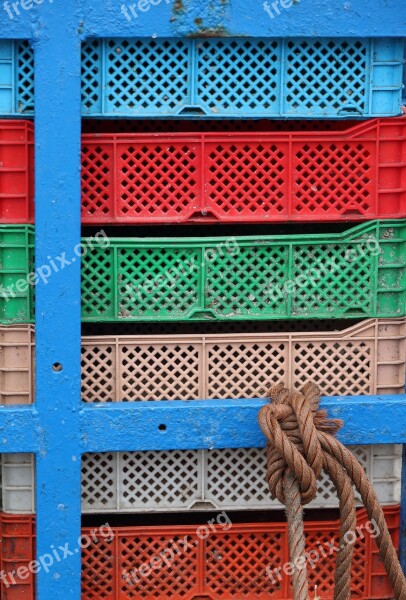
(181, 480)
(329, 172)
(358, 273)
(224, 171)
(293, 78)
(17, 549)
(231, 562)
(18, 483)
(58, 29)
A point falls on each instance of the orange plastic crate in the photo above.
(17, 549)
(230, 563)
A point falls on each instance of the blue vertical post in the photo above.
(57, 164)
(402, 532)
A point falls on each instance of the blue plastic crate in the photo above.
(242, 77)
(16, 78)
(223, 77)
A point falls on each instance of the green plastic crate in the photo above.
(227, 279)
(16, 263)
(358, 273)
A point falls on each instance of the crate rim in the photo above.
(358, 328)
(361, 127)
(298, 238)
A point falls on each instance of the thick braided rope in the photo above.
(348, 521)
(374, 510)
(345, 492)
(300, 443)
(283, 452)
(298, 440)
(297, 545)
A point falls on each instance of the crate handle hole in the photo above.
(349, 110)
(162, 427)
(192, 110)
(57, 367)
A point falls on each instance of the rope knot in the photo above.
(290, 423)
(300, 443)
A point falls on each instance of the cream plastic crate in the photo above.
(16, 364)
(367, 358)
(232, 479)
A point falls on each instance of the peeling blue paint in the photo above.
(330, 18)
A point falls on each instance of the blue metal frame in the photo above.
(58, 428)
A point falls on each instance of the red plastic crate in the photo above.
(16, 171)
(230, 563)
(343, 172)
(350, 172)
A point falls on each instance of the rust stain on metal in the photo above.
(178, 6)
(219, 31)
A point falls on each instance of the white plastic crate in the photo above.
(18, 483)
(232, 479)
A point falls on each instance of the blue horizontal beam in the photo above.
(280, 18)
(176, 18)
(198, 424)
(228, 423)
(19, 429)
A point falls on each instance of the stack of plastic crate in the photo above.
(223, 310)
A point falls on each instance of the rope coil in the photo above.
(300, 443)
